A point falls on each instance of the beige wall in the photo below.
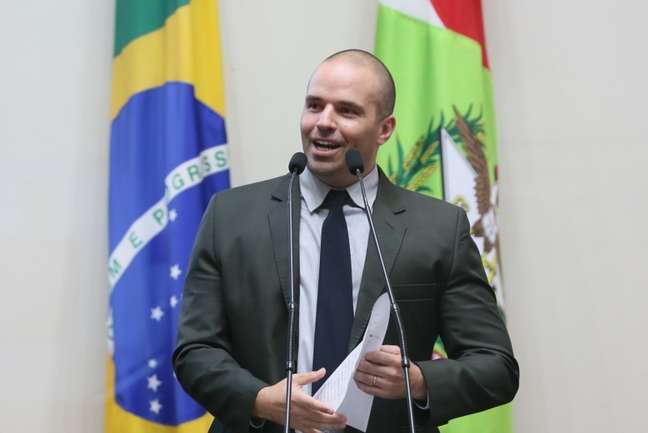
(570, 87)
(54, 102)
(270, 49)
(570, 82)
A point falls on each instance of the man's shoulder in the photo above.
(252, 192)
(416, 202)
(244, 206)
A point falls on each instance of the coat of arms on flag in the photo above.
(445, 143)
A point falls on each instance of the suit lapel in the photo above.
(389, 227)
(278, 221)
(391, 231)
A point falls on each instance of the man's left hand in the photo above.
(380, 374)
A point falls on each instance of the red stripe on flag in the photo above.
(464, 17)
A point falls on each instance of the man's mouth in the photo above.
(325, 145)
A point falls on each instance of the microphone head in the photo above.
(297, 163)
(354, 162)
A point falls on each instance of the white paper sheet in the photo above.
(340, 391)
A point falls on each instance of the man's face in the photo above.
(341, 113)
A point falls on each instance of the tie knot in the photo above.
(335, 199)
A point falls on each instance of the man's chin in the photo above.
(338, 177)
(325, 167)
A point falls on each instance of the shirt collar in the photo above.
(314, 191)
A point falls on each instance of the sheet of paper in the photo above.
(340, 390)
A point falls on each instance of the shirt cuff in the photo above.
(257, 423)
(419, 404)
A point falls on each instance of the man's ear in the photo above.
(387, 126)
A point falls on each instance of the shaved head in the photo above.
(386, 90)
(348, 105)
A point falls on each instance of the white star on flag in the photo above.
(152, 363)
(173, 301)
(173, 214)
(157, 313)
(153, 382)
(155, 406)
(175, 271)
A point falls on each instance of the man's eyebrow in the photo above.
(344, 104)
(352, 105)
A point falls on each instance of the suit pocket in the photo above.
(408, 292)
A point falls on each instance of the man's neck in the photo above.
(339, 182)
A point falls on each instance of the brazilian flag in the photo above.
(168, 156)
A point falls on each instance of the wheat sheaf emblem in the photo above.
(414, 169)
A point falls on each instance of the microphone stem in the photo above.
(290, 364)
(405, 362)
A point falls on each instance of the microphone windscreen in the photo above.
(354, 162)
(297, 163)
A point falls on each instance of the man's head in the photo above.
(349, 104)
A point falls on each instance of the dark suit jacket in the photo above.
(233, 325)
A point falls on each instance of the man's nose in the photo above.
(325, 121)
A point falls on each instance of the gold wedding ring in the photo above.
(374, 379)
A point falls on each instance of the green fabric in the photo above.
(134, 18)
(436, 70)
(496, 420)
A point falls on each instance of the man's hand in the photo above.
(307, 414)
(380, 374)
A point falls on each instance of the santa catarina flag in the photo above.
(444, 144)
(168, 155)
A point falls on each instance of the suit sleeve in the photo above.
(202, 359)
(480, 371)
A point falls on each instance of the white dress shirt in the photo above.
(313, 192)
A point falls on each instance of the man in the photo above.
(231, 347)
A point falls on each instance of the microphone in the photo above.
(296, 166)
(354, 162)
(356, 167)
(297, 163)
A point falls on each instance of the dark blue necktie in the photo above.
(334, 293)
